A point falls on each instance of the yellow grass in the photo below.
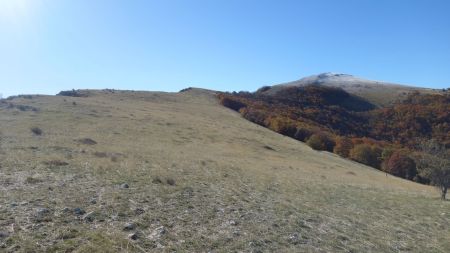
(231, 192)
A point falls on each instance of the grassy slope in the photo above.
(231, 192)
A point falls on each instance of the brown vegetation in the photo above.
(343, 146)
(401, 165)
(331, 119)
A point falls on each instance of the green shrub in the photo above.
(366, 154)
(320, 142)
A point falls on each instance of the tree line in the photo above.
(410, 139)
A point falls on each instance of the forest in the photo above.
(391, 139)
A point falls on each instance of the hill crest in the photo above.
(379, 93)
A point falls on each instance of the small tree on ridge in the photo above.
(435, 165)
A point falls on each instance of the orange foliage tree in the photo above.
(401, 165)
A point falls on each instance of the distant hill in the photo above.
(318, 95)
(377, 92)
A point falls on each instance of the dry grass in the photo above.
(236, 186)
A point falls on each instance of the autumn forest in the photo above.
(327, 118)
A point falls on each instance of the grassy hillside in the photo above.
(177, 172)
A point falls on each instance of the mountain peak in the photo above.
(377, 92)
(332, 74)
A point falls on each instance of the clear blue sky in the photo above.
(52, 45)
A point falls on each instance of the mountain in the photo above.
(377, 92)
(134, 171)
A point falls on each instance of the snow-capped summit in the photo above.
(378, 92)
(336, 80)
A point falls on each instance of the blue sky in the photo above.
(52, 45)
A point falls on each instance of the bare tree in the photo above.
(435, 165)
